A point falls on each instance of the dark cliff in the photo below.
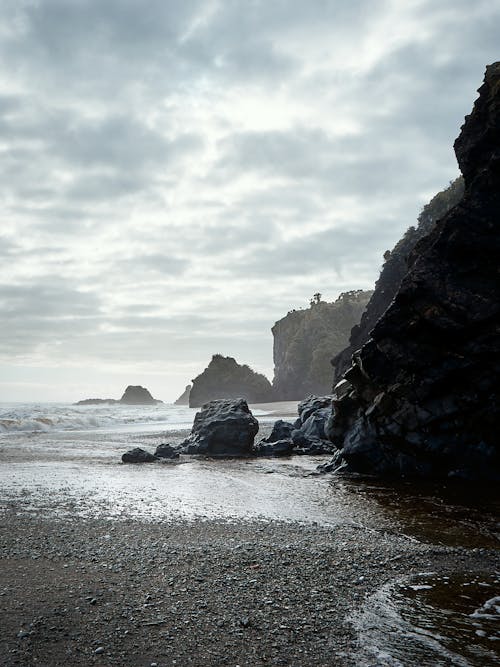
(393, 271)
(225, 378)
(423, 397)
(305, 340)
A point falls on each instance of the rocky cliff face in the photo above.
(225, 378)
(423, 392)
(305, 340)
(393, 271)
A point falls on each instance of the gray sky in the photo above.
(176, 176)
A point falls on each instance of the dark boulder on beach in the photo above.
(423, 396)
(166, 451)
(225, 427)
(137, 395)
(274, 448)
(306, 436)
(138, 455)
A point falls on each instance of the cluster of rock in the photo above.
(305, 436)
(133, 395)
(421, 397)
(224, 427)
(139, 455)
(306, 340)
(227, 427)
(225, 378)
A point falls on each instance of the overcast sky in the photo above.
(177, 175)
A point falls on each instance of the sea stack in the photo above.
(137, 395)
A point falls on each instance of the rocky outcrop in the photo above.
(225, 378)
(133, 395)
(305, 436)
(137, 395)
(138, 455)
(222, 428)
(184, 397)
(306, 340)
(393, 271)
(97, 401)
(423, 392)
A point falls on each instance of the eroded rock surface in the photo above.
(424, 391)
(224, 427)
(305, 436)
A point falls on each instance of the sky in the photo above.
(178, 175)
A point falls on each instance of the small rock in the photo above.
(99, 650)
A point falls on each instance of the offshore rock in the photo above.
(138, 455)
(424, 391)
(306, 340)
(184, 397)
(137, 395)
(223, 428)
(225, 378)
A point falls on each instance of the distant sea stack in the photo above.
(133, 395)
(184, 397)
(137, 395)
(306, 340)
(393, 271)
(422, 396)
(225, 378)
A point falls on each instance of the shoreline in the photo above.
(197, 593)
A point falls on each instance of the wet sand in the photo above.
(232, 563)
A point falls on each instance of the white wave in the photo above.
(33, 418)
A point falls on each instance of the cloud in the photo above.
(177, 176)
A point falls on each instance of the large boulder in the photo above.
(138, 455)
(424, 392)
(225, 427)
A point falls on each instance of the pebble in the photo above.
(99, 650)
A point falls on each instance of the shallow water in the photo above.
(432, 620)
